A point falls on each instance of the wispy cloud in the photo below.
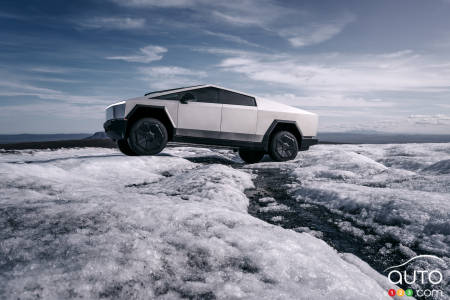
(53, 70)
(328, 100)
(437, 119)
(171, 71)
(271, 17)
(240, 20)
(231, 38)
(156, 3)
(403, 71)
(121, 23)
(20, 88)
(147, 54)
(52, 79)
(6, 15)
(171, 76)
(312, 34)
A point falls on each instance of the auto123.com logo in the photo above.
(416, 277)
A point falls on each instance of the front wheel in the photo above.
(148, 136)
(283, 146)
(125, 148)
(250, 156)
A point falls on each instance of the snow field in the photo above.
(91, 223)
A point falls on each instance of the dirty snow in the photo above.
(393, 197)
(91, 223)
(400, 191)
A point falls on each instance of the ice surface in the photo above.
(400, 191)
(92, 223)
(386, 193)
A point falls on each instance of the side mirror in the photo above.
(186, 98)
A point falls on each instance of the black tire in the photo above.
(251, 156)
(148, 136)
(283, 146)
(125, 148)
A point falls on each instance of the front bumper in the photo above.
(116, 128)
(307, 142)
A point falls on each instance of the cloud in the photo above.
(122, 23)
(312, 34)
(327, 100)
(156, 3)
(334, 72)
(231, 38)
(5, 15)
(171, 71)
(437, 119)
(171, 76)
(20, 88)
(52, 79)
(147, 54)
(446, 106)
(65, 110)
(233, 12)
(315, 33)
(53, 70)
(297, 26)
(239, 20)
(398, 54)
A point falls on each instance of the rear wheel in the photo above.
(125, 148)
(283, 146)
(148, 136)
(251, 156)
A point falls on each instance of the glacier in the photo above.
(92, 223)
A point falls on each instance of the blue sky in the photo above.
(362, 65)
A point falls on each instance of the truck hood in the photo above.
(268, 105)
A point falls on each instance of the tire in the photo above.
(148, 136)
(125, 148)
(251, 156)
(283, 146)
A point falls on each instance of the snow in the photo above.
(400, 191)
(271, 205)
(396, 192)
(91, 223)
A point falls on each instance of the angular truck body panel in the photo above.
(268, 111)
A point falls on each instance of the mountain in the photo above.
(20, 138)
(380, 138)
(99, 135)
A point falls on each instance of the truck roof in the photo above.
(182, 89)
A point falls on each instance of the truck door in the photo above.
(199, 113)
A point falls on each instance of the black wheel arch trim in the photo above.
(275, 123)
(163, 109)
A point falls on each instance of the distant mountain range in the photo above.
(99, 135)
(381, 138)
(21, 138)
(324, 137)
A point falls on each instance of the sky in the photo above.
(361, 65)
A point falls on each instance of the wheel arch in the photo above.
(152, 111)
(280, 125)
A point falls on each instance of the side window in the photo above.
(208, 95)
(227, 97)
(188, 96)
(174, 96)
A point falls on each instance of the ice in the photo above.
(91, 223)
(271, 205)
(23, 156)
(274, 207)
(385, 192)
(441, 167)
